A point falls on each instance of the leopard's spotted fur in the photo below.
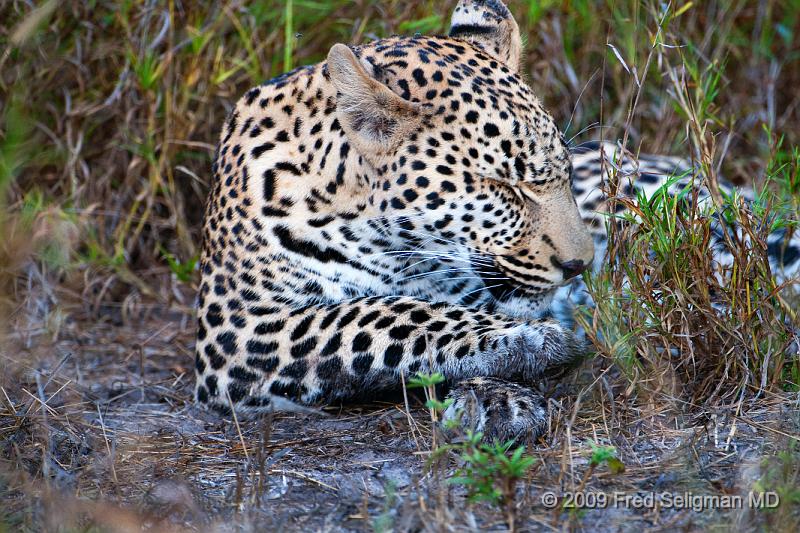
(405, 206)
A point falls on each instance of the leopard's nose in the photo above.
(570, 268)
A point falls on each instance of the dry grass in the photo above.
(102, 433)
(110, 113)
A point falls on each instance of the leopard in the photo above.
(404, 207)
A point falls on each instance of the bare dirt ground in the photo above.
(98, 428)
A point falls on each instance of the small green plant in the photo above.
(384, 521)
(781, 475)
(15, 146)
(607, 455)
(491, 472)
(148, 69)
(183, 270)
(600, 455)
(428, 383)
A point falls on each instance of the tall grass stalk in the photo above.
(288, 32)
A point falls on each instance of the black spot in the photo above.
(270, 327)
(216, 360)
(296, 370)
(332, 345)
(251, 95)
(302, 349)
(444, 340)
(320, 222)
(211, 385)
(393, 355)
(302, 328)
(242, 374)
(267, 366)
(269, 211)
(491, 130)
(385, 322)
(202, 394)
(401, 332)
(214, 315)
(436, 326)
(329, 318)
(287, 390)
(419, 77)
(199, 364)
(258, 401)
(361, 342)
(362, 364)
(262, 311)
(519, 166)
(404, 88)
(462, 351)
(227, 341)
(369, 317)
(419, 346)
(261, 348)
(269, 184)
(259, 150)
(329, 369)
(347, 318)
(288, 167)
(249, 295)
(505, 145)
(442, 169)
(236, 392)
(419, 316)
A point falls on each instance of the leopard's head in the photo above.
(465, 156)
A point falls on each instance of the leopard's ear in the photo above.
(490, 25)
(372, 116)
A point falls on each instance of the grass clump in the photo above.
(687, 303)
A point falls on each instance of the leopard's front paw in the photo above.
(543, 348)
(499, 409)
